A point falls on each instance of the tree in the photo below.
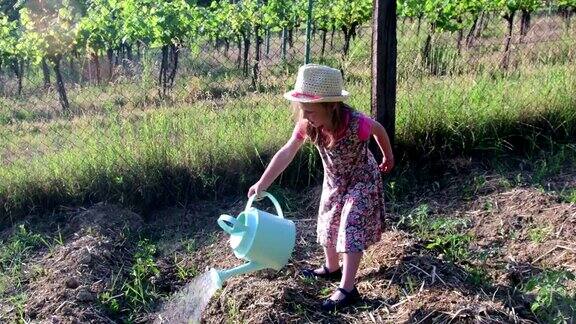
(8, 45)
(411, 9)
(223, 22)
(527, 7)
(443, 15)
(476, 10)
(100, 31)
(50, 30)
(567, 8)
(323, 20)
(509, 8)
(172, 23)
(348, 16)
(244, 21)
(8, 8)
(164, 25)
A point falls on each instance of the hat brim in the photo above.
(293, 95)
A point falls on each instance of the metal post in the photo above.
(308, 32)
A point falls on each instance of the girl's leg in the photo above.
(351, 262)
(350, 267)
(331, 260)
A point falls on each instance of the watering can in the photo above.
(263, 239)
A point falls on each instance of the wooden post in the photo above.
(384, 52)
(308, 32)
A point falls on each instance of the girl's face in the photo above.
(317, 114)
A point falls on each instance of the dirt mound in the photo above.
(71, 276)
(439, 306)
(108, 220)
(525, 225)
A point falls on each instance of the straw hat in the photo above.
(317, 83)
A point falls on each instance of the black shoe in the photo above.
(350, 297)
(334, 275)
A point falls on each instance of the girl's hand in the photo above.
(387, 165)
(256, 189)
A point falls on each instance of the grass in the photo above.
(213, 135)
(135, 153)
(479, 113)
(174, 153)
(14, 253)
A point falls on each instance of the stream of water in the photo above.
(187, 305)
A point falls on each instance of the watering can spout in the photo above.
(219, 276)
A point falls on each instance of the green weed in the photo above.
(233, 311)
(411, 285)
(110, 299)
(326, 292)
(569, 195)
(539, 234)
(58, 240)
(553, 302)
(139, 290)
(183, 271)
(189, 245)
(308, 280)
(18, 247)
(478, 276)
(417, 220)
(453, 245)
(18, 301)
(14, 253)
(488, 206)
(441, 234)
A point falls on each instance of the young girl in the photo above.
(352, 202)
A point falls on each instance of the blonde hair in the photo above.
(337, 112)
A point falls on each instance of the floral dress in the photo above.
(352, 203)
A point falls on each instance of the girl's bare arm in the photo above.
(277, 165)
(383, 141)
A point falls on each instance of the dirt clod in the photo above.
(72, 283)
(84, 296)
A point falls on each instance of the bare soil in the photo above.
(520, 229)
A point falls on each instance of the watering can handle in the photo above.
(272, 199)
(225, 220)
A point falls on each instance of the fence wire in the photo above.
(123, 121)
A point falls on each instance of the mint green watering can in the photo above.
(263, 239)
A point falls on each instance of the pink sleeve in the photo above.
(364, 127)
(299, 130)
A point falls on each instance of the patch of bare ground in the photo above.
(517, 231)
(63, 282)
